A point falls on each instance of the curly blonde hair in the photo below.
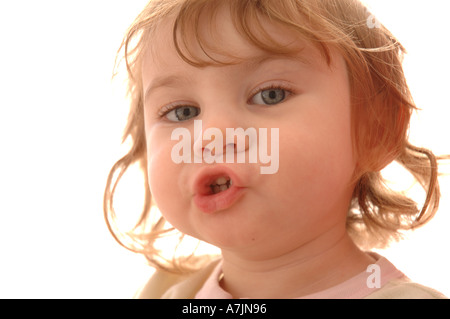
(381, 108)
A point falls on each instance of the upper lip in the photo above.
(208, 175)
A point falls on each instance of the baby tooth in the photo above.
(221, 180)
(223, 187)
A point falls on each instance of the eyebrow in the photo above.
(164, 81)
(173, 80)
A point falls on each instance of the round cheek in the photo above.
(160, 172)
(319, 167)
(163, 175)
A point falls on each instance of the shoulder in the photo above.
(404, 288)
(166, 285)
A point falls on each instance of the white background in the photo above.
(61, 120)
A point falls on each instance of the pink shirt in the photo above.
(354, 288)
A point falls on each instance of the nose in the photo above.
(220, 138)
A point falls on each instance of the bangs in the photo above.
(198, 35)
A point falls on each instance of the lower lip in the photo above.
(217, 202)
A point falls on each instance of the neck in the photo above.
(319, 264)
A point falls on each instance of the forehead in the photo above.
(216, 40)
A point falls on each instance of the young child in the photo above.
(205, 78)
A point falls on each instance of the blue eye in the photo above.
(182, 113)
(269, 96)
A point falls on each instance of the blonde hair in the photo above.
(381, 108)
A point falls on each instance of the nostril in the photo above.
(230, 146)
(207, 152)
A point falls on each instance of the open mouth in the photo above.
(217, 189)
(221, 184)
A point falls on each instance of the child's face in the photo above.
(309, 194)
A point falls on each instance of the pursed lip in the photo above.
(206, 200)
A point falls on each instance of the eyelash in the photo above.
(168, 108)
(289, 90)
